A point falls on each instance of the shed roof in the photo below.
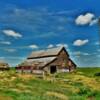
(45, 53)
(3, 64)
(40, 62)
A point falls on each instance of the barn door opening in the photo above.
(53, 69)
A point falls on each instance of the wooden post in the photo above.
(43, 75)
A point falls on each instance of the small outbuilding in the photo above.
(50, 60)
(4, 66)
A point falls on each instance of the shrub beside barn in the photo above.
(50, 61)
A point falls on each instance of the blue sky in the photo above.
(27, 25)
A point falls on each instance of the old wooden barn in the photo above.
(50, 60)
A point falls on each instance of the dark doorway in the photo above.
(53, 69)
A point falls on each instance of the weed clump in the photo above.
(97, 74)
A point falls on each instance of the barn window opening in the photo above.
(53, 69)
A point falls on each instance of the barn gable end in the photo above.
(61, 62)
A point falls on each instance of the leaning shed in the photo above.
(3, 66)
(50, 60)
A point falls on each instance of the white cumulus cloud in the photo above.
(33, 46)
(93, 22)
(80, 42)
(57, 45)
(88, 18)
(50, 46)
(12, 33)
(62, 45)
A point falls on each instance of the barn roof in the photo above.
(45, 53)
(40, 62)
(3, 64)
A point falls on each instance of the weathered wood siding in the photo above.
(61, 62)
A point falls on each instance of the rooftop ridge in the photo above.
(46, 52)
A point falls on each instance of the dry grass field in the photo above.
(80, 85)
